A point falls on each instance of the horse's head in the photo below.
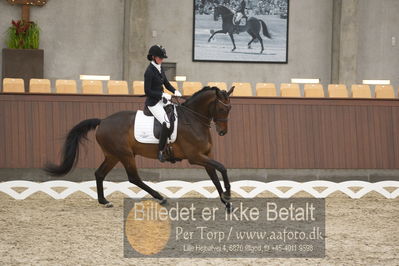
(223, 11)
(221, 110)
(211, 103)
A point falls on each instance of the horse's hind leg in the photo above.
(101, 172)
(253, 38)
(261, 42)
(134, 178)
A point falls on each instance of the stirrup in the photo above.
(161, 156)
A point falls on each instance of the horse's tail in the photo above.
(265, 30)
(70, 150)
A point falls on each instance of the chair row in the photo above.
(11, 85)
(64, 86)
(333, 91)
(188, 88)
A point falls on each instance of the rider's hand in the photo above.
(167, 96)
(177, 93)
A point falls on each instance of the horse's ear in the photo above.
(231, 90)
(218, 92)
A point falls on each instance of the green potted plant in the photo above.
(23, 35)
(22, 58)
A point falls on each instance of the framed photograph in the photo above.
(253, 31)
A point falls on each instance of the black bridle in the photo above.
(205, 120)
(214, 111)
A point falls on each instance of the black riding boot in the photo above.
(237, 28)
(162, 142)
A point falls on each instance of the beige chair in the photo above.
(39, 86)
(92, 87)
(313, 90)
(65, 86)
(11, 85)
(384, 91)
(220, 85)
(138, 87)
(242, 89)
(117, 87)
(189, 88)
(266, 90)
(290, 90)
(361, 91)
(174, 84)
(337, 91)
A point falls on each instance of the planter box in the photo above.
(23, 63)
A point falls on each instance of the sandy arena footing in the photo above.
(76, 230)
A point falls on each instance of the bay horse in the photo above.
(252, 27)
(115, 135)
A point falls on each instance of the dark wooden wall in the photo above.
(263, 132)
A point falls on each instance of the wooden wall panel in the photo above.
(263, 132)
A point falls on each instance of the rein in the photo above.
(202, 118)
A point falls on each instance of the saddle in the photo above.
(170, 112)
(147, 129)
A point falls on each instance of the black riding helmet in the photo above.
(156, 50)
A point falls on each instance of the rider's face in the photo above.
(158, 60)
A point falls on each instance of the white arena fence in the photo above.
(177, 189)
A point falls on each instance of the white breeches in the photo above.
(159, 113)
(238, 16)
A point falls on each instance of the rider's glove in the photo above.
(167, 96)
(177, 93)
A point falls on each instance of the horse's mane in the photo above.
(226, 8)
(204, 89)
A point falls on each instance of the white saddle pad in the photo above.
(144, 129)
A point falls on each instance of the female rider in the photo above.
(154, 78)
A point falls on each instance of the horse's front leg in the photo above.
(232, 39)
(215, 179)
(211, 166)
(220, 167)
(213, 34)
(225, 196)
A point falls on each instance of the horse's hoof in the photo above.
(105, 202)
(226, 197)
(233, 49)
(261, 52)
(249, 47)
(229, 207)
(163, 201)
